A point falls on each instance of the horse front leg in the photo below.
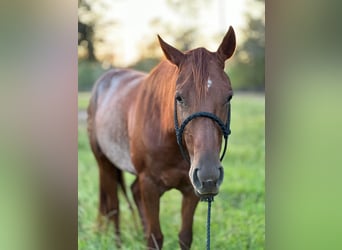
(189, 204)
(150, 194)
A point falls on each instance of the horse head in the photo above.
(202, 100)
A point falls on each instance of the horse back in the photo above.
(112, 97)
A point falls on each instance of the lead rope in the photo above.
(209, 200)
(225, 128)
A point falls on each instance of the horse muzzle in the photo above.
(207, 182)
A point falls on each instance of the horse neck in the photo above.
(158, 96)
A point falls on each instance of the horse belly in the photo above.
(111, 121)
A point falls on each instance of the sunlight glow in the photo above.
(133, 24)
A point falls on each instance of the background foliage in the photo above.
(246, 68)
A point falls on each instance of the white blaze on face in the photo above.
(210, 82)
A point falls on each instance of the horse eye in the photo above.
(179, 98)
(229, 98)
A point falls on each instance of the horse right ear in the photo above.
(172, 54)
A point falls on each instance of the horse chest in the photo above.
(173, 178)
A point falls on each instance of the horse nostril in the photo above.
(196, 180)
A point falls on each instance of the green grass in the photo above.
(238, 220)
(83, 100)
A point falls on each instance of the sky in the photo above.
(134, 16)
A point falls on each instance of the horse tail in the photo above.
(122, 184)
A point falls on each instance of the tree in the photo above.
(188, 12)
(182, 34)
(86, 31)
(92, 26)
(249, 69)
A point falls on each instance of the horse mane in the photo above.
(158, 94)
(198, 59)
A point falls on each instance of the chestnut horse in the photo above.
(131, 127)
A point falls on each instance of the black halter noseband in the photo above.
(225, 128)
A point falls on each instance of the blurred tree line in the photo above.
(246, 68)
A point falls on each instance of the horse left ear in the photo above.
(172, 54)
(227, 46)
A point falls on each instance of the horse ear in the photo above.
(172, 54)
(227, 46)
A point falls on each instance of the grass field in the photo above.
(83, 100)
(238, 220)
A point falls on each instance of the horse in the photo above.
(165, 128)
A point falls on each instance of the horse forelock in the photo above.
(197, 63)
